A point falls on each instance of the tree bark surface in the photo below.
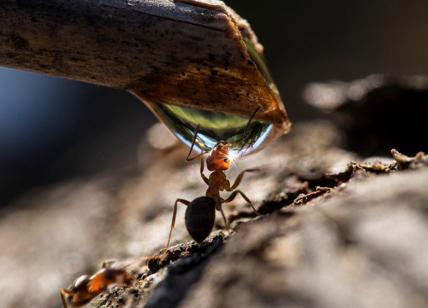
(331, 234)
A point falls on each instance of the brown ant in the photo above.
(85, 288)
(200, 213)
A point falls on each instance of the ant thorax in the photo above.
(217, 182)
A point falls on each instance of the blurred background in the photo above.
(54, 129)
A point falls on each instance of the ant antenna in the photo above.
(245, 135)
(193, 144)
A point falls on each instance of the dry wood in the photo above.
(185, 52)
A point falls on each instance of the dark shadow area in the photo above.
(388, 117)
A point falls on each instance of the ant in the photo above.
(200, 213)
(85, 288)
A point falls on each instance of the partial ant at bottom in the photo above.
(85, 288)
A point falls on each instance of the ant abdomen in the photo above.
(199, 218)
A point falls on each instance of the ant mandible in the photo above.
(200, 213)
(85, 288)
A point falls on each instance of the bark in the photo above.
(184, 52)
(328, 228)
(335, 229)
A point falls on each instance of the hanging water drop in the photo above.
(214, 127)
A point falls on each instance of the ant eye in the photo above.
(226, 160)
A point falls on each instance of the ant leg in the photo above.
(185, 202)
(239, 178)
(233, 196)
(193, 143)
(195, 157)
(250, 120)
(107, 263)
(188, 158)
(247, 127)
(63, 293)
(202, 172)
(224, 218)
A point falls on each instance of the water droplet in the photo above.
(214, 127)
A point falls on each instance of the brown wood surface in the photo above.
(184, 52)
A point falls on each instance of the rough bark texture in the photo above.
(331, 235)
(184, 52)
(336, 229)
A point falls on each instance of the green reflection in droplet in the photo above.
(214, 127)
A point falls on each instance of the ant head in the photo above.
(218, 159)
(78, 294)
(200, 217)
